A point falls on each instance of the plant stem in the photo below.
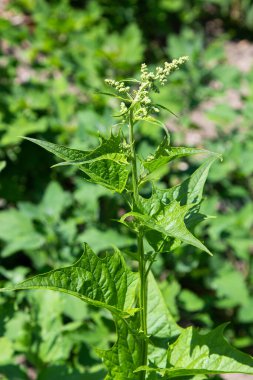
(143, 304)
(142, 263)
(133, 157)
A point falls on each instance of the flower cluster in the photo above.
(161, 73)
(139, 97)
(119, 86)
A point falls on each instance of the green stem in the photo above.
(133, 157)
(142, 263)
(143, 304)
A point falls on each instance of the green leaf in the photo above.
(124, 357)
(166, 109)
(106, 165)
(100, 282)
(189, 193)
(6, 349)
(107, 173)
(161, 325)
(168, 220)
(196, 354)
(54, 201)
(165, 153)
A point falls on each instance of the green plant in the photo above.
(149, 342)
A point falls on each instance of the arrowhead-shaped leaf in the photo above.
(106, 165)
(169, 221)
(194, 354)
(100, 282)
(188, 196)
(165, 153)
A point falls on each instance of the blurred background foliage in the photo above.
(54, 56)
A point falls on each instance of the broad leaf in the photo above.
(106, 165)
(188, 193)
(194, 354)
(162, 327)
(100, 282)
(107, 173)
(169, 220)
(124, 357)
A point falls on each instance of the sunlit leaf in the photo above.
(194, 354)
(100, 282)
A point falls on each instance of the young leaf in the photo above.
(195, 354)
(100, 282)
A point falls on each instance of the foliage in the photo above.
(165, 219)
(51, 66)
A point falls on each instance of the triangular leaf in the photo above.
(194, 354)
(107, 173)
(165, 153)
(189, 192)
(106, 165)
(168, 220)
(100, 282)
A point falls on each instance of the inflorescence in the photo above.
(148, 83)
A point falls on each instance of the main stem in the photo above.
(142, 263)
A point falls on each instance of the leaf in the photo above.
(162, 327)
(167, 109)
(124, 357)
(125, 100)
(106, 165)
(189, 193)
(169, 220)
(54, 201)
(107, 173)
(196, 354)
(100, 282)
(165, 153)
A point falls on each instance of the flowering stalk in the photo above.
(139, 106)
